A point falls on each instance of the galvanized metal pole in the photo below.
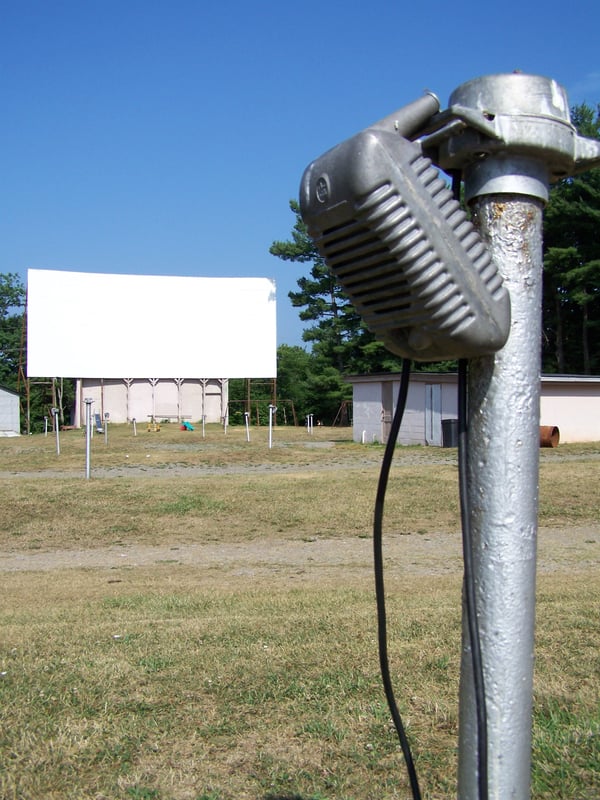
(88, 435)
(56, 429)
(272, 410)
(513, 136)
(503, 497)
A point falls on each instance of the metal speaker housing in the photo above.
(404, 251)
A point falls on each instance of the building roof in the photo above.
(375, 377)
(451, 377)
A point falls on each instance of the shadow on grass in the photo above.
(288, 797)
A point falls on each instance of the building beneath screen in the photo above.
(147, 399)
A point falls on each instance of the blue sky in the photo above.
(156, 137)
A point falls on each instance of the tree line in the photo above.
(40, 395)
(312, 379)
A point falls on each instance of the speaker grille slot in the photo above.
(389, 268)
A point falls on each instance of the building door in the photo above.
(433, 414)
(387, 409)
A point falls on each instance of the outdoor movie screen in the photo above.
(92, 325)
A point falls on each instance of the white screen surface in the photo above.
(95, 325)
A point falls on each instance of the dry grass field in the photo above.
(197, 621)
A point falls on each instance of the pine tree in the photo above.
(572, 266)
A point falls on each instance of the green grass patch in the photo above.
(222, 682)
(118, 690)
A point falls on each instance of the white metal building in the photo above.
(569, 402)
(174, 399)
(10, 413)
